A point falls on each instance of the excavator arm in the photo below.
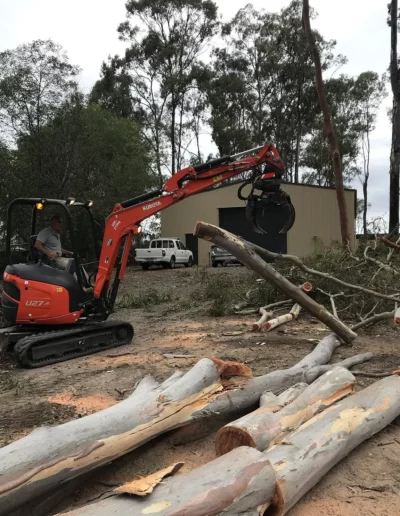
(124, 222)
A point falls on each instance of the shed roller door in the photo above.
(235, 221)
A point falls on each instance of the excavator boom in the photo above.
(272, 204)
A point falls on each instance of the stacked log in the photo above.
(247, 481)
(39, 462)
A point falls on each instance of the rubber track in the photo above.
(23, 346)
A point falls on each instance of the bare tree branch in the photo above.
(374, 319)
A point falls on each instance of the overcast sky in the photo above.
(87, 31)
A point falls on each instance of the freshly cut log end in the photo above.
(278, 321)
(232, 437)
(227, 369)
(307, 286)
(267, 424)
(264, 317)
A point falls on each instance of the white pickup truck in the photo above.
(167, 252)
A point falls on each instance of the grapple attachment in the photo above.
(271, 211)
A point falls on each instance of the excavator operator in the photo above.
(48, 243)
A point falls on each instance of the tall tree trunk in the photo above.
(366, 175)
(297, 155)
(365, 207)
(394, 170)
(328, 127)
(395, 153)
(298, 140)
(173, 143)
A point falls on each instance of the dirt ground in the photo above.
(366, 482)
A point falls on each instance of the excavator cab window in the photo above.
(27, 216)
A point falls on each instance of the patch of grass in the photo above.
(143, 300)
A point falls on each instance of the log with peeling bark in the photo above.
(234, 484)
(282, 319)
(38, 463)
(266, 424)
(249, 258)
(307, 454)
(264, 318)
(248, 482)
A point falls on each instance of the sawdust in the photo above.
(356, 506)
(122, 359)
(89, 404)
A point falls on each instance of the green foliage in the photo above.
(354, 103)
(262, 84)
(73, 149)
(35, 80)
(156, 77)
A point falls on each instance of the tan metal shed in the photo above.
(317, 218)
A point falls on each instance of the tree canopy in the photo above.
(185, 77)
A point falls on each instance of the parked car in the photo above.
(166, 252)
(221, 257)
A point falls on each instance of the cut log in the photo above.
(282, 319)
(235, 484)
(277, 381)
(243, 482)
(277, 321)
(264, 317)
(311, 451)
(286, 397)
(261, 427)
(249, 258)
(51, 455)
(38, 463)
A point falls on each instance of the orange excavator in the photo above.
(51, 315)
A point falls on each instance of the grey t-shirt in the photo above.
(51, 240)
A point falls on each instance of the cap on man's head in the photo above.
(56, 218)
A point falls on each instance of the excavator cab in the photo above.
(40, 210)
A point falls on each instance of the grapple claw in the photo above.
(270, 212)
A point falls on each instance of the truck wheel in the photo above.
(172, 263)
(215, 264)
(145, 266)
(189, 263)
